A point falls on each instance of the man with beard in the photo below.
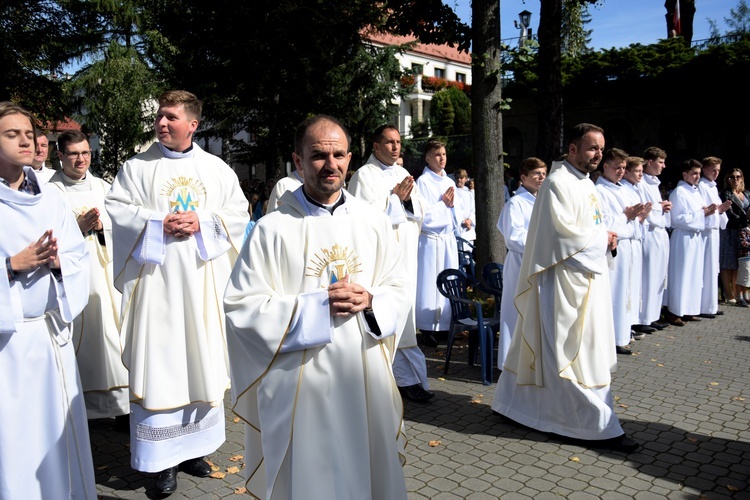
(558, 371)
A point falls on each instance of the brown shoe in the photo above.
(690, 317)
(675, 320)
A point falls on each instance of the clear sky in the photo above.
(614, 23)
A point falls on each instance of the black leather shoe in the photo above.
(620, 443)
(659, 325)
(416, 393)
(428, 339)
(688, 317)
(166, 481)
(719, 312)
(122, 423)
(623, 350)
(196, 467)
(707, 315)
(644, 329)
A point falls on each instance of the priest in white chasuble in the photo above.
(96, 331)
(178, 218)
(557, 373)
(314, 308)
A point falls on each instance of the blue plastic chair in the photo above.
(466, 314)
(492, 283)
(466, 256)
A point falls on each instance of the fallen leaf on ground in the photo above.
(236, 458)
(714, 383)
(623, 405)
(233, 470)
(218, 475)
(738, 398)
(240, 491)
(575, 459)
(659, 364)
(732, 488)
(434, 443)
(236, 419)
(692, 440)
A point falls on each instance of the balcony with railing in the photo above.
(421, 87)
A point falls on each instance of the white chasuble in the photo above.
(96, 331)
(44, 438)
(173, 330)
(322, 411)
(558, 369)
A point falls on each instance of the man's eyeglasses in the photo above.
(735, 177)
(76, 154)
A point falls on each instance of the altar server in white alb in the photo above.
(557, 374)
(390, 188)
(710, 168)
(655, 241)
(622, 207)
(513, 224)
(314, 308)
(96, 332)
(44, 437)
(689, 214)
(466, 213)
(438, 249)
(178, 219)
(288, 183)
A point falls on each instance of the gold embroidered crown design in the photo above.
(343, 260)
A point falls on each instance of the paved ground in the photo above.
(684, 396)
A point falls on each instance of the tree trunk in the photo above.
(549, 114)
(486, 120)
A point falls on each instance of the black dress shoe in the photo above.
(659, 325)
(719, 312)
(196, 467)
(166, 481)
(428, 339)
(623, 350)
(416, 393)
(620, 443)
(122, 423)
(707, 315)
(644, 329)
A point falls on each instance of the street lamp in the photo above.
(525, 20)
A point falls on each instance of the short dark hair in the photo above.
(614, 154)
(302, 128)
(654, 153)
(433, 144)
(578, 131)
(70, 137)
(193, 106)
(690, 164)
(529, 164)
(377, 136)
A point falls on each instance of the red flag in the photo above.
(676, 18)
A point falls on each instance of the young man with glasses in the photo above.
(96, 332)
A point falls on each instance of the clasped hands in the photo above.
(41, 252)
(347, 299)
(403, 189)
(89, 221)
(181, 225)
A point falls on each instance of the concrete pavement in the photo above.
(684, 396)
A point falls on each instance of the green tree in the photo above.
(486, 120)
(39, 37)
(114, 94)
(441, 114)
(461, 109)
(738, 21)
(302, 57)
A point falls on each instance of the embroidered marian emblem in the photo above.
(336, 262)
(183, 193)
(597, 210)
